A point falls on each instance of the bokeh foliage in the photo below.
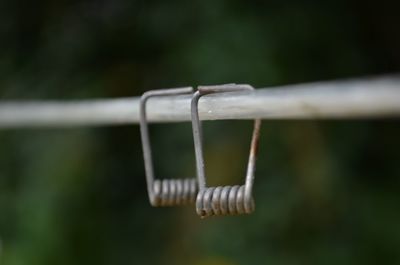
(327, 192)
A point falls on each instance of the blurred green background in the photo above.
(327, 192)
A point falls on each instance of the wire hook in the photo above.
(166, 192)
(222, 200)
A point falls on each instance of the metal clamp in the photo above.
(166, 192)
(222, 200)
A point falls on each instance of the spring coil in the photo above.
(223, 200)
(174, 192)
(166, 192)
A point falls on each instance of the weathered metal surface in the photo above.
(377, 97)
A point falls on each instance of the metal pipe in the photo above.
(374, 97)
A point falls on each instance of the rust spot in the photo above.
(256, 139)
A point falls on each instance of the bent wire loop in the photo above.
(166, 192)
(222, 200)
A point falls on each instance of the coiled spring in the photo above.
(171, 192)
(223, 200)
(167, 192)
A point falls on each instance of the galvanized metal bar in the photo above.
(374, 97)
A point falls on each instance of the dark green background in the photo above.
(327, 192)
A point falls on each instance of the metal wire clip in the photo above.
(166, 192)
(222, 200)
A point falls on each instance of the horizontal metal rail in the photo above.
(374, 97)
